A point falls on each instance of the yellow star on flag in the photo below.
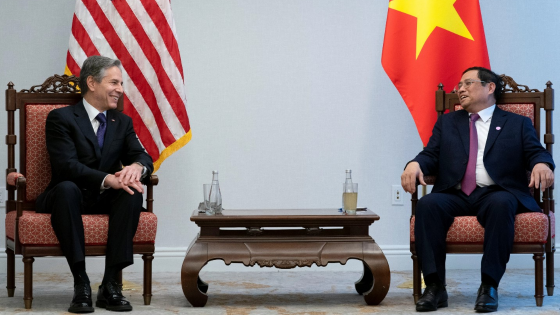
(431, 14)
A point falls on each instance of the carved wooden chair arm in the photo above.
(429, 179)
(12, 172)
(154, 180)
(21, 181)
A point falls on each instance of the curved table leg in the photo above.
(375, 261)
(202, 286)
(366, 282)
(196, 258)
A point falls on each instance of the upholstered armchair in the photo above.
(534, 232)
(30, 234)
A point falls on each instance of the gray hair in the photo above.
(95, 66)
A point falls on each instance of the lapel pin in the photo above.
(498, 128)
(114, 120)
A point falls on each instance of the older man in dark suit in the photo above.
(481, 155)
(97, 166)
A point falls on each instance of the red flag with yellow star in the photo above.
(428, 42)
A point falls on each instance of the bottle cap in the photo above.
(214, 172)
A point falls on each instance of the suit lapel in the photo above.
(462, 123)
(499, 119)
(82, 119)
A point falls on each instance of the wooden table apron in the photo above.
(286, 239)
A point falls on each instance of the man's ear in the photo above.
(90, 83)
(491, 87)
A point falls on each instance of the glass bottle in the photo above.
(348, 181)
(215, 196)
(349, 194)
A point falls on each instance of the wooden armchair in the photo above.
(30, 234)
(534, 232)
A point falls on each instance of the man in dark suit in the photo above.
(97, 166)
(481, 155)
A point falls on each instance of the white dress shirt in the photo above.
(482, 128)
(92, 113)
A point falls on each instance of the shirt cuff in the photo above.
(103, 188)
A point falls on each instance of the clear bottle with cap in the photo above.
(215, 195)
(349, 194)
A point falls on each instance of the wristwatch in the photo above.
(144, 169)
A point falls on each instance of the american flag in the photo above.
(142, 35)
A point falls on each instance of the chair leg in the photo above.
(538, 257)
(550, 273)
(28, 281)
(147, 278)
(416, 279)
(11, 272)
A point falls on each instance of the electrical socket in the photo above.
(3, 196)
(397, 197)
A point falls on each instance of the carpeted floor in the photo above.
(282, 292)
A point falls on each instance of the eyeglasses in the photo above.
(466, 84)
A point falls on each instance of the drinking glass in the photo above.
(350, 197)
(212, 199)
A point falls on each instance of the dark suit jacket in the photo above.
(75, 155)
(511, 150)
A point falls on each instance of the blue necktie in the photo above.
(101, 130)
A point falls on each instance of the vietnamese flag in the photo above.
(428, 42)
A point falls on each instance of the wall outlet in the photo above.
(397, 197)
(3, 196)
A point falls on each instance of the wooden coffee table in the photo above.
(296, 238)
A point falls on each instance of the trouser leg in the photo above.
(64, 202)
(435, 213)
(124, 215)
(497, 215)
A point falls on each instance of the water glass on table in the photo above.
(350, 197)
(212, 199)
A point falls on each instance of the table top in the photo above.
(284, 217)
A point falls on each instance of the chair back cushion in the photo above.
(530, 227)
(38, 166)
(527, 110)
(36, 228)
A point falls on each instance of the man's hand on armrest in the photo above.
(542, 176)
(12, 178)
(411, 173)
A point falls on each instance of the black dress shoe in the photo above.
(434, 296)
(487, 300)
(110, 297)
(81, 302)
